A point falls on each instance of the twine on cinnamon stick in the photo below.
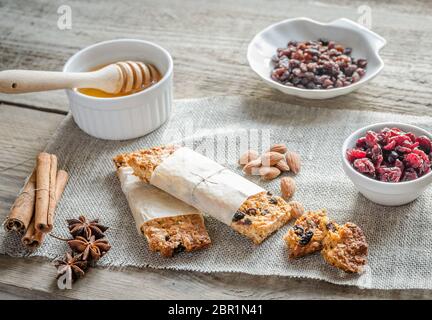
(46, 170)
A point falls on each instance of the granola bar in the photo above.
(261, 215)
(171, 235)
(307, 234)
(181, 228)
(144, 162)
(257, 217)
(345, 247)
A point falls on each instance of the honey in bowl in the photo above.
(153, 77)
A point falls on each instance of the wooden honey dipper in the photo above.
(120, 77)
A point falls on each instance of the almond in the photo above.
(270, 158)
(269, 173)
(252, 167)
(279, 148)
(248, 156)
(293, 161)
(297, 209)
(288, 187)
(282, 165)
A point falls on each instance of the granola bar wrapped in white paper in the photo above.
(169, 225)
(212, 189)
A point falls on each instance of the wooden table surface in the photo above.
(208, 42)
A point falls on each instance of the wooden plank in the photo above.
(36, 280)
(23, 134)
(209, 41)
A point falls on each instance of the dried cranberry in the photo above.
(355, 154)
(364, 166)
(361, 142)
(413, 160)
(392, 174)
(371, 138)
(399, 164)
(410, 174)
(424, 143)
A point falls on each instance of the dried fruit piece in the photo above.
(238, 216)
(269, 173)
(364, 166)
(307, 234)
(248, 156)
(252, 167)
(288, 187)
(392, 174)
(424, 143)
(269, 159)
(293, 161)
(280, 148)
(353, 154)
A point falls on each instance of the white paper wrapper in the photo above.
(147, 202)
(203, 183)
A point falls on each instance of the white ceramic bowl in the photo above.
(365, 43)
(385, 193)
(123, 117)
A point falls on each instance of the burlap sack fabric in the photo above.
(399, 238)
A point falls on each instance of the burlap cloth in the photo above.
(400, 239)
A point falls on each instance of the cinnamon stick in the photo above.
(46, 170)
(61, 181)
(33, 238)
(22, 210)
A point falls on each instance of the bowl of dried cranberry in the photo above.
(314, 60)
(389, 163)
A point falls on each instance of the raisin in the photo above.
(247, 221)
(179, 248)
(238, 216)
(306, 238)
(269, 193)
(251, 211)
(298, 230)
(273, 200)
(330, 226)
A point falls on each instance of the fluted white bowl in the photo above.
(129, 116)
(365, 44)
(385, 193)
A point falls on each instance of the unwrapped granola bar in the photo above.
(169, 225)
(213, 189)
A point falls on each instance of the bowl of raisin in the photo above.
(389, 163)
(314, 60)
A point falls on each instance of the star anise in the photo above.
(85, 228)
(92, 248)
(72, 266)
